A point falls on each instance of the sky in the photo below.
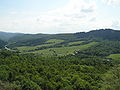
(58, 16)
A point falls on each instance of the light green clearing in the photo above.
(114, 56)
(30, 48)
(77, 42)
(65, 50)
(54, 41)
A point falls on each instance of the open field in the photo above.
(74, 43)
(30, 48)
(48, 43)
(54, 41)
(114, 56)
(64, 50)
(49, 49)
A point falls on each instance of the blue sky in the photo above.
(31, 5)
(58, 16)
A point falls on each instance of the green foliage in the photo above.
(111, 79)
(103, 48)
(40, 72)
(80, 61)
(104, 34)
(26, 37)
(2, 44)
(37, 39)
(9, 86)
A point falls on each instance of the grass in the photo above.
(32, 48)
(114, 56)
(54, 41)
(65, 50)
(73, 43)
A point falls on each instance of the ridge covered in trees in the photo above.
(36, 39)
(96, 67)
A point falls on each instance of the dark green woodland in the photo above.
(73, 61)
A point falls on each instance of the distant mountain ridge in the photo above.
(6, 35)
(36, 39)
(26, 37)
(109, 34)
(21, 39)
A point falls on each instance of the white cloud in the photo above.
(109, 2)
(116, 24)
(73, 14)
(77, 15)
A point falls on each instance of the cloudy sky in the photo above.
(58, 16)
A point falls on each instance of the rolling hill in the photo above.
(36, 39)
(74, 61)
(6, 35)
(57, 43)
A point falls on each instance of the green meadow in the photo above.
(48, 43)
(114, 56)
(74, 43)
(65, 50)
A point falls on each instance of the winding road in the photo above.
(8, 48)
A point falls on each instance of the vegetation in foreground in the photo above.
(36, 72)
(95, 66)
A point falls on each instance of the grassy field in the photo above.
(30, 48)
(64, 50)
(114, 56)
(73, 43)
(54, 41)
(48, 43)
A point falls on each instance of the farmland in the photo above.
(65, 50)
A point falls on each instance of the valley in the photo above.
(71, 61)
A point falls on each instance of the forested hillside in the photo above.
(2, 44)
(36, 39)
(78, 61)
(6, 35)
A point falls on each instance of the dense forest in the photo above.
(94, 65)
